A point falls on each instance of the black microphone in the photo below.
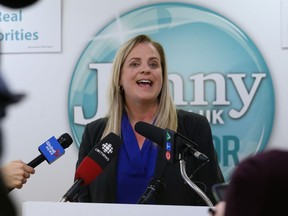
(155, 187)
(52, 149)
(93, 164)
(174, 142)
(15, 4)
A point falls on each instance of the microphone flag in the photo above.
(51, 150)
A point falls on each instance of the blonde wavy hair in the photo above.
(167, 115)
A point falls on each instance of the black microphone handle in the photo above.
(36, 161)
(72, 191)
(146, 197)
(155, 187)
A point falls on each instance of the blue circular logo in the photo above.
(214, 68)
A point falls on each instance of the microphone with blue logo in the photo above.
(52, 149)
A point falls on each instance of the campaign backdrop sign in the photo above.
(214, 67)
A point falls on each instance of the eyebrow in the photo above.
(138, 58)
(134, 58)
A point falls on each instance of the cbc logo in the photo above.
(107, 148)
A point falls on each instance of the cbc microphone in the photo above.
(172, 141)
(94, 163)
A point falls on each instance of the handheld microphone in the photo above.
(52, 149)
(173, 142)
(94, 163)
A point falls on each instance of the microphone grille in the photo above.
(65, 140)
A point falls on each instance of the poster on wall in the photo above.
(215, 69)
(31, 30)
(284, 22)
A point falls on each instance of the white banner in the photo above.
(32, 29)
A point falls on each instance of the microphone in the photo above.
(155, 187)
(174, 142)
(94, 163)
(14, 4)
(52, 149)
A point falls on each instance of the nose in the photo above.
(145, 70)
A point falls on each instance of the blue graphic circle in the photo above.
(215, 69)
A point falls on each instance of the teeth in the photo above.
(144, 81)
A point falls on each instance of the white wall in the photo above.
(45, 78)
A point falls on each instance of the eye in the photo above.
(134, 64)
(154, 65)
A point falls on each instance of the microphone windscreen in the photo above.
(65, 140)
(151, 132)
(98, 158)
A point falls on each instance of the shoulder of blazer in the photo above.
(97, 125)
(93, 131)
(189, 123)
(183, 114)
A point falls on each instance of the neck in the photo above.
(147, 114)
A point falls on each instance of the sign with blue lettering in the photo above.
(214, 69)
(51, 150)
(22, 33)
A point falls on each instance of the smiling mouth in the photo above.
(144, 82)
